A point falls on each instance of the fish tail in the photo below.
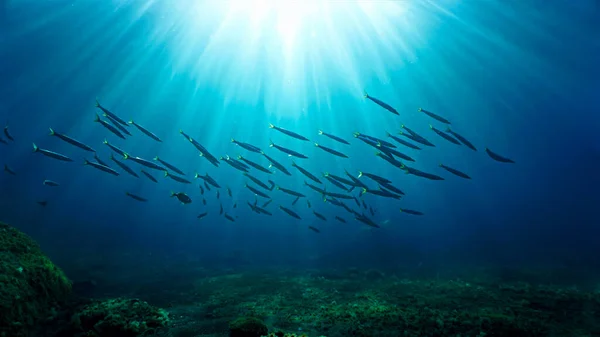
(112, 157)
(387, 134)
(232, 140)
(105, 141)
(97, 119)
(320, 132)
(360, 174)
(125, 156)
(172, 194)
(271, 126)
(156, 158)
(420, 109)
(448, 129)
(86, 162)
(356, 134)
(271, 144)
(6, 168)
(441, 165)
(52, 133)
(317, 145)
(97, 103)
(365, 94)
(166, 173)
(431, 126)
(239, 157)
(131, 121)
(35, 148)
(196, 175)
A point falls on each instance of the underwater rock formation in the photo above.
(247, 327)
(118, 318)
(31, 286)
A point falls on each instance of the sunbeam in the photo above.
(287, 51)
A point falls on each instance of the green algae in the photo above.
(404, 307)
(118, 318)
(31, 286)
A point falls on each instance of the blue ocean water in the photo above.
(520, 78)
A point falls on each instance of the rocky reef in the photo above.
(36, 299)
(31, 286)
(117, 318)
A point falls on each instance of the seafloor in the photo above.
(335, 302)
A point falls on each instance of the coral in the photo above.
(247, 327)
(118, 318)
(31, 286)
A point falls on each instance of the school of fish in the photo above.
(342, 191)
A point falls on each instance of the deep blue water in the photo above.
(518, 77)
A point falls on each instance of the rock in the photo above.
(31, 286)
(247, 327)
(118, 318)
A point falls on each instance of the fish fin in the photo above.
(35, 148)
(52, 133)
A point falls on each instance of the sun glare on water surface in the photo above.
(265, 50)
